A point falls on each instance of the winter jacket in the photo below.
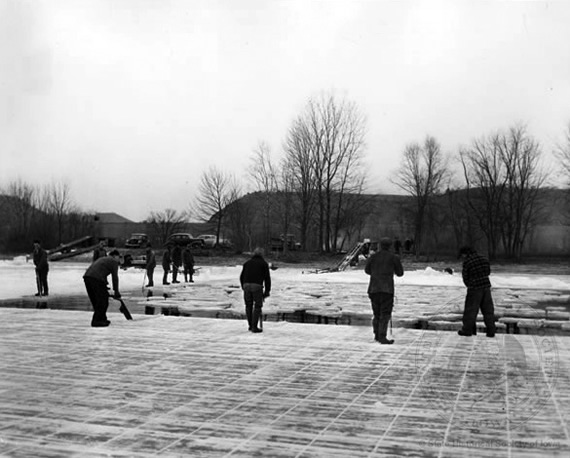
(177, 256)
(99, 253)
(187, 257)
(166, 260)
(150, 259)
(256, 270)
(476, 271)
(41, 260)
(102, 268)
(382, 266)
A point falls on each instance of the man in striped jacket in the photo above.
(475, 273)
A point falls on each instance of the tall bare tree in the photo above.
(503, 174)
(521, 155)
(264, 176)
(22, 205)
(325, 147)
(422, 174)
(563, 154)
(59, 204)
(217, 190)
(299, 165)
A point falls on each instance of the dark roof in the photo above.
(112, 218)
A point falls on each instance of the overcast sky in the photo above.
(130, 101)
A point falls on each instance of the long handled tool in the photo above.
(123, 308)
(38, 284)
(261, 313)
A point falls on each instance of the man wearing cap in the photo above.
(150, 265)
(99, 251)
(95, 279)
(475, 273)
(382, 266)
(166, 261)
(42, 268)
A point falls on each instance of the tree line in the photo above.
(46, 213)
(316, 188)
(487, 193)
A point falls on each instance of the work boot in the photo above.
(461, 332)
(385, 341)
(100, 324)
(248, 312)
(255, 319)
(382, 329)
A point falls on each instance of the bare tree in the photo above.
(503, 176)
(21, 205)
(264, 176)
(422, 175)
(324, 147)
(563, 154)
(58, 201)
(521, 155)
(217, 191)
(285, 202)
(299, 164)
(166, 223)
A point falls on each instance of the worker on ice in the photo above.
(254, 276)
(382, 266)
(95, 279)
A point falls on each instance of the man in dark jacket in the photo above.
(99, 251)
(254, 276)
(42, 268)
(150, 265)
(95, 279)
(382, 266)
(176, 262)
(475, 273)
(166, 265)
(188, 262)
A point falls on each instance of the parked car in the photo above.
(185, 238)
(137, 241)
(209, 240)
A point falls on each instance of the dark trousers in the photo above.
(175, 268)
(474, 300)
(99, 297)
(150, 275)
(253, 298)
(382, 305)
(188, 271)
(42, 275)
(165, 276)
